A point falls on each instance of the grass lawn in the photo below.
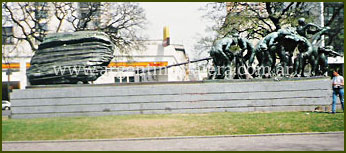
(166, 125)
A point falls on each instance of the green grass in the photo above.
(166, 125)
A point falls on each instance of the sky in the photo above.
(184, 20)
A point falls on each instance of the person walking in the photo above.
(338, 89)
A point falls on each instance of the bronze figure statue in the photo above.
(222, 57)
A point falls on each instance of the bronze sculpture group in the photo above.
(85, 50)
(279, 45)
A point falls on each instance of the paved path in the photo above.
(291, 142)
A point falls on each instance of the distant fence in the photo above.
(188, 97)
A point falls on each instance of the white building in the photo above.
(123, 67)
(337, 63)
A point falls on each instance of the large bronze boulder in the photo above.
(68, 58)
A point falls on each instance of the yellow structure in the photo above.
(166, 38)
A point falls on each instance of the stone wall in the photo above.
(176, 97)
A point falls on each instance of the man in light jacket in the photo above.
(338, 89)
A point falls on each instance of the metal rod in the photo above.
(194, 61)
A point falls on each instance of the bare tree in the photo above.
(336, 22)
(61, 12)
(121, 21)
(23, 15)
(202, 47)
